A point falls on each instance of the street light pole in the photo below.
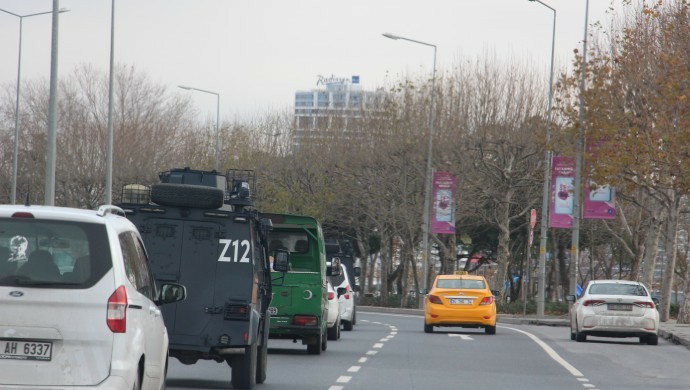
(427, 182)
(15, 153)
(216, 164)
(575, 242)
(547, 180)
(109, 143)
(49, 195)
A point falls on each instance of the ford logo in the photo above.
(16, 294)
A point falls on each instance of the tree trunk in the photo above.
(670, 253)
(651, 247)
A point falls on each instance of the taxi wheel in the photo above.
(490, 329)
(428, 328)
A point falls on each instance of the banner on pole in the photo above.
(561, 202)
(443, 216)
(599, 201)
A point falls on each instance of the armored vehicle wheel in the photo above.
(244, 369)
(187, 195)
(261, 362)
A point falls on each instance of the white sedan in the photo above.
(614, 308)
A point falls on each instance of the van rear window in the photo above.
(55, 254)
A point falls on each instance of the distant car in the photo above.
(333, 314)
(80, 308)
(346, 298)
(460, 300)
(614, 308)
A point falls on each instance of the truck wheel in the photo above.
(315, 348)
(244, 369)
(324, 342)
(187, 195)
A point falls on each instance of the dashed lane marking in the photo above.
(354, 369)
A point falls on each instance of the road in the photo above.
(391, 351)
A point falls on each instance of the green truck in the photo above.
(299, 308)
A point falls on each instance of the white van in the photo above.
(79, 305)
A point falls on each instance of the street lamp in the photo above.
(216, 163)
(427, 184)
(15, 154)
(547, 181)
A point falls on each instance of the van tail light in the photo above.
(305, 320)
(117, 311)
(487, 300)
(22, 214)
(648, 305)
(593, 302)
(331, 296)
(347, 294)
(435, 299)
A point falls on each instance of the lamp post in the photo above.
(216, 164)
(15, 154)
(547, 180)
(427, 183)
(109, 143)
(575, 241)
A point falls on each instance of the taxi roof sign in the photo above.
(461, 273)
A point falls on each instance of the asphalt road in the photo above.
(391, 351)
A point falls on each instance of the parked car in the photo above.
(460, 300)
(346, 298)
(79, 304)
(333, 314)
(614, 308)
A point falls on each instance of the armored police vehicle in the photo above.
(200, 230)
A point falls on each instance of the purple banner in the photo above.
(443, 216)
(562, 185)
(599, 203)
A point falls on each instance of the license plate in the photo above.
(460, 301)
(26, 350)
(619, 307)
(272, 310)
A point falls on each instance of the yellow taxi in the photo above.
(460, 300)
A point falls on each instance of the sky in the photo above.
(257, 53)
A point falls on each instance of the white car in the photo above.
(614, 308)
(333, 314)
(346, 298)
(79, 303)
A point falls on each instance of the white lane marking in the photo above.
(462, 336)
(583, 379)
(335, 388)
(371, 353)
(549, 351)
(378, 345)
(354, 369)
(343, 379)
(362, 360)
(588, 385)
(384, 339)
(394, 333)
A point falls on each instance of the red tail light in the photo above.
(331, 296)
(593, 302)
(305, 320)
(487, 300)
(648, 305)
(117, 311)
(22, 214)
(435, 299)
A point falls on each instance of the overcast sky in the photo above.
(256, 54)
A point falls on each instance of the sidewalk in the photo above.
(670, 330)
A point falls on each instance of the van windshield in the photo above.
(52, 253)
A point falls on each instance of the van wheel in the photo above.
(187, 195)
(244, 369)
(315, 348)
(347, 325)
(334, 331)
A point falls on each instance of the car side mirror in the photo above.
(341, 291)
(357, 271)
(281, 260)
(570, 298)
(495, 293)
(171, 293)
(356, 288)
(423, 291)
(656, 301)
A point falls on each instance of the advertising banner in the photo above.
(599, 202)
(561, 202)
(443, 209)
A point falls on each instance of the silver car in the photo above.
(80, 309)
(614, 308)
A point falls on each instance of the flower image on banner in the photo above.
(561, 202)
(443, 216)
